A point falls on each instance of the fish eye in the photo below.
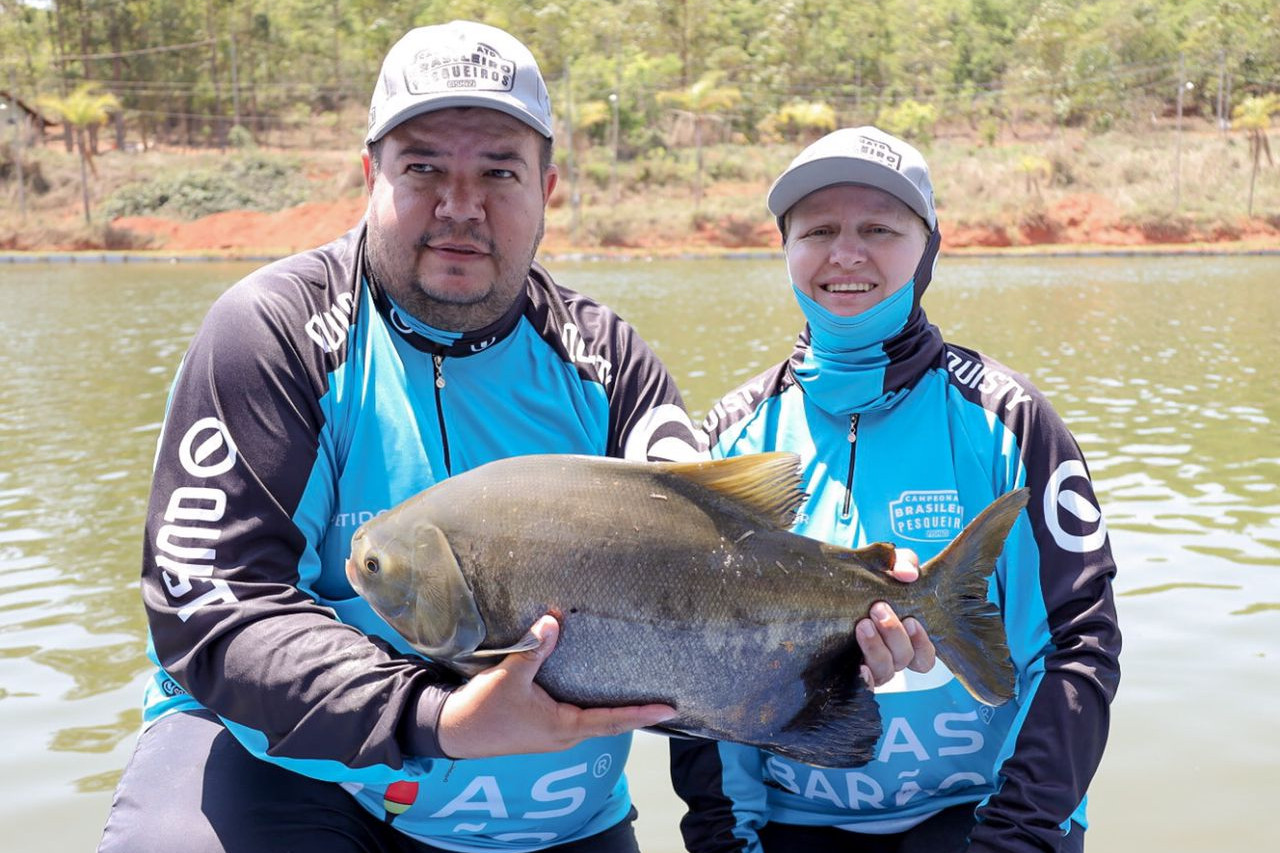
(371, 565)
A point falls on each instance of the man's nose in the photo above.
(461, 201)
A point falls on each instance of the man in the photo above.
(326, 388)
(905, 437)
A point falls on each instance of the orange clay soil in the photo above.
(1075, 222)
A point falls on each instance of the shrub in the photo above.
(612, 231)
(910, 120)
(659, 167)
(248, 182)
(241, 137)
(802, 120)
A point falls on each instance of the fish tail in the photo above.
(965, 627)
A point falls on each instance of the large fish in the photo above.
(676, 583)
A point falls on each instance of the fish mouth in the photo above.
(386, 610)
(357, 578)
(353, 573)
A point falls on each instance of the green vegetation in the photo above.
(241, 182)
(83, 110)
(675, 114)
(188, 71)
(1062, 187)
(1254, 116)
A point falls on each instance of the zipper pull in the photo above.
(438, 360)
(853, 448)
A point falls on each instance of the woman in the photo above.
(905, 437)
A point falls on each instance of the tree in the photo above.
(703, 99)
(83, 109)
(1254, 115)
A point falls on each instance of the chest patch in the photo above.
(927, 516)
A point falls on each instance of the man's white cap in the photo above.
(857, 155)
(459, 64)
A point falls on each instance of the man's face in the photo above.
(456, 208)
(851, 247)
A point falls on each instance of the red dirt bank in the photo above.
(1077, 221)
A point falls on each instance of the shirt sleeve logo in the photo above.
(1073, 519)
(207, 449)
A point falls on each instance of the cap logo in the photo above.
(479, 69)
(874, 149)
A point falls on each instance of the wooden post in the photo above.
(613, 162)
(18, 121)
(235, 81)
(1177, 170)
(1222, 87)
(575, 200)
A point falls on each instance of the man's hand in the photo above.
(502, 712)
(889, 644)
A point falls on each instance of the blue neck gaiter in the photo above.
(866, 362)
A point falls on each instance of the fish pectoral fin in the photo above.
(527, 644)
(766, 484)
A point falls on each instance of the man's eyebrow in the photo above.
(503, 155)
(497, 155)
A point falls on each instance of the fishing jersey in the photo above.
(914, 474)
(307, 404)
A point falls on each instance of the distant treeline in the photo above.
(636, 73)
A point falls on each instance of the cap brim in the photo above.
(825, 172)
(491, 101)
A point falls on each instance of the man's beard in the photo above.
(438, 307)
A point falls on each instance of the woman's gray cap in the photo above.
(459, 64)
(857, 155)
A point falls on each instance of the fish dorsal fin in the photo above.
(767, 484)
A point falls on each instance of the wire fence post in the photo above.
(18, 120)
(1177, 169)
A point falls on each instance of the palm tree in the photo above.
(705, 97)
(83, 109)
(1254, 115)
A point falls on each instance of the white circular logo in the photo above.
(600, 768)
(399, 323)
(207, 449)
(1058, 500)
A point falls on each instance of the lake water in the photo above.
(1165, 368)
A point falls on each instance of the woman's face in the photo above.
(850, 247)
